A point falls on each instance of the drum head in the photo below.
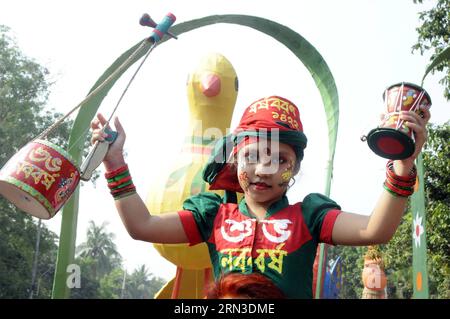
(390, 143)
(23, 200)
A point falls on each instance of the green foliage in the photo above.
(102, 275)
(436, 159)
(17, 245)
(111, 284)
(142, 285)
(398, 261)
(23, 93)
(101, 248)
(89, 285)
(434, 36)
(437, 187)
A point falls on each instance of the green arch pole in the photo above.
(67, 238)
(420, 273)
(418, 210)
(299, 46)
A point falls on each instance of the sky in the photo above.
(366, 44)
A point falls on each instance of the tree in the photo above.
(89, 285)
(111, 284)
(100, 247)
(437, 182)
(142, 284)
(434, 35)
(99, 260)
(23, 94)
(17, 242)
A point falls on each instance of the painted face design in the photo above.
(264, 173)
(244, 180)
(287, 174)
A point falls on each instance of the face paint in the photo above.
(287, 175)
(243, 180)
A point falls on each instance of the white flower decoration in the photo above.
(418, 230)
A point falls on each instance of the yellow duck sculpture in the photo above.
(212, 92)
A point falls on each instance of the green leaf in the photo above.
(443, 56)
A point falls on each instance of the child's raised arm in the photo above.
(140, 224)
(380, 226)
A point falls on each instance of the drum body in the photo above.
(39, 179)
(393, 139)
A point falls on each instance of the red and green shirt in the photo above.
(282, 246)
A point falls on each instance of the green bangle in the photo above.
(390, 191)
(118, 177)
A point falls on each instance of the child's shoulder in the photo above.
(207, 196)
(316, 202)
(203, 200)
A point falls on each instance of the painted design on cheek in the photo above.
(243, 180)
(287, 175)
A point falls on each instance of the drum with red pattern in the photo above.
(393, 139)
(39, 179)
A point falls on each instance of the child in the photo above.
(263, 233)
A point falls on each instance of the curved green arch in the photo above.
(298, 45)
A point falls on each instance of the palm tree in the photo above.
(138, 284)
(142, 284)
(100, 249)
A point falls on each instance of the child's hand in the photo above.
(417, 123)
(114, 158)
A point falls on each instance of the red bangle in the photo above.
(120, 181)
(390, 172)
(400, 183)
(116, 172)
(398, 191)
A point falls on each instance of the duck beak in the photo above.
(210, 85)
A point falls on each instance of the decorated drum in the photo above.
(39, 179)
(393, 139)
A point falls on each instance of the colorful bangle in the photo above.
(397, 191)
(396, 185)
(116, 172)
(120, 183)
(411, 178)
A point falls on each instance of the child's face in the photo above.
(265, 169)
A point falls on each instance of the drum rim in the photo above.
(418, 87)
(60, 150)
(32, 192)
(409, 150)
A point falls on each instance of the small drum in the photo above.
(393, 139)
(39, 179)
